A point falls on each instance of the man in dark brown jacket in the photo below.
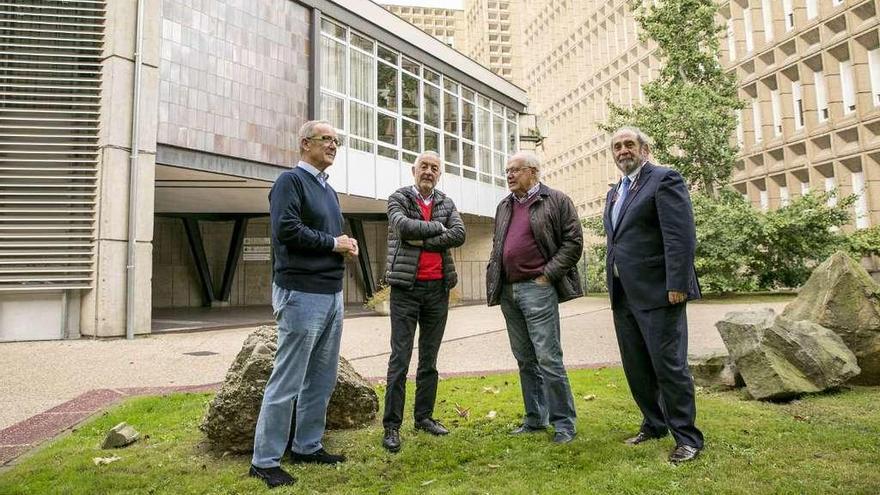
(537, 244)
(423, 226)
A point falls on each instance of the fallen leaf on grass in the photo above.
(492, 414)
(798, 417)
(494, 466)
(99, 461)
(590, 397)
(426, 483)
(462, 412)
(491, 390)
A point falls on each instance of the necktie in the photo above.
(618, 205)
(322, 178)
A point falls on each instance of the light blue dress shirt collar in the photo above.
(308, 167)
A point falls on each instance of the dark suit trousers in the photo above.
(653, 348)
(427, 306)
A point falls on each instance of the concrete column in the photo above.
(103, 310)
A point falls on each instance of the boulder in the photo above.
(231, 417)
(715, 370)
(780, 358)
(841, 296)
(120, 435)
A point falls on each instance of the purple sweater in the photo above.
(522, 259)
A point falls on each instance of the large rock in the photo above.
(231, 417)
(780, 359)
(841, 296)
(715, 370)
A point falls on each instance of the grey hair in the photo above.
(426, 154)
(641, 137)
(308, 130)
(528, 159)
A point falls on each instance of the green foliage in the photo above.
(864, 242)
(689, 109)
(741, 249)
(800, 236)
(728, 232)
(752, 446)
(595, 255)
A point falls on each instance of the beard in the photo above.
(627, 165)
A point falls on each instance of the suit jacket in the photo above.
(655, 240)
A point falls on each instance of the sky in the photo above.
(444, 4)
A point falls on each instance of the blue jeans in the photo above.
(309, 329)
(532, 314)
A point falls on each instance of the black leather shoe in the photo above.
(319, 457)
(526, 429)
(273, 476)
(641, 437)
(391, 440)
(562, 437)
(683, 453)
(431, 426)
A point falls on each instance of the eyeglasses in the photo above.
(515, 170)
(326, 140)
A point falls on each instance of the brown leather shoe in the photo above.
(641, 437)
(683, 453)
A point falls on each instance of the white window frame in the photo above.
(860, 207)
(731, 41)
(788, 14)
(797, 100)
(747, 27)
(756, 120)
(874, 68)
(822, 111)
(776, 108)
(848, 87)
(767, 14)
(812, 8)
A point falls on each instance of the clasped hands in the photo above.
(346, 246)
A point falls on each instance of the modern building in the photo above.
(445, 24)
(493, 30)
(488, 31)
(809, 74)
(140, 138)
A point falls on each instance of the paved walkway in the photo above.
(37, 376)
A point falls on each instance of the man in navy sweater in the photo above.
(310, 251)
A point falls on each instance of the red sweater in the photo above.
(430, 263)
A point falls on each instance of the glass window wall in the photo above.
(383, 102)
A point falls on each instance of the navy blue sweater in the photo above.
(305, 218)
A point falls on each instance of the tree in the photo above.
(689, 109)
(742, 249)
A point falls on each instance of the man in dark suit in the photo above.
(651, 238)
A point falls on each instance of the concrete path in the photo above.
(36, 376)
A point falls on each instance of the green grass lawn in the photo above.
(821, 444)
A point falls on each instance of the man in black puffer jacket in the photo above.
(423, 225)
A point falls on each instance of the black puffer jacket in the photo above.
(560, 238)
(443, 232)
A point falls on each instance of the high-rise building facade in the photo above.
(809, 73)
(809, 76)
(493, 33)
(447, 25)
(488, 31)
